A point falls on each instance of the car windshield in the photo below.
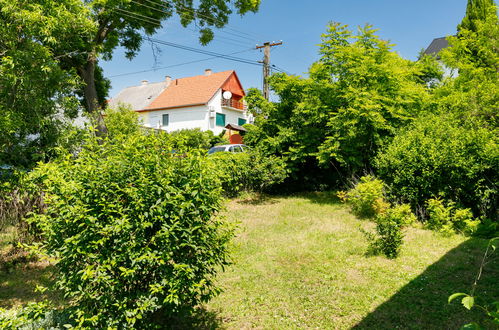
(216, 149)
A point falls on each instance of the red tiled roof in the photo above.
(190, 91)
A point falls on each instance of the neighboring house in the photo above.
(434, 49)
(436, 46)
(208, 102)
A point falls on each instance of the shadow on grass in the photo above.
(18, 284)
(422, 304)
(199, 319)
(321, 197)
(257, 199)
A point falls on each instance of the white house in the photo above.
(208, 102)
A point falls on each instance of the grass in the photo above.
(300, 262)
(20, 274)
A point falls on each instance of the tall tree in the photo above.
(476, 10)
(356, 97)
(36, 94)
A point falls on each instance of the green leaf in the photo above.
(471, 326)
(455, 295)
(468, 302)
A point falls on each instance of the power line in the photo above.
(205, 52)
(218, 20)
(238, 35)
(155, 21)
(175, 65)
(276, 68)
(138, 15)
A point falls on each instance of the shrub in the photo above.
(133, 229)
(449, 219)
(443, 156)
(121, 120)
(366, 198)
(248, 171)
(188, 139)
(389, 234)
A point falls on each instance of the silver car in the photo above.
(228, 148)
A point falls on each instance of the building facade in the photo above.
(208, 102)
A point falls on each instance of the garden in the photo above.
(367, 199)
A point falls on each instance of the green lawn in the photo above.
(300, 262)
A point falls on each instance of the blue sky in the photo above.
(409, 24)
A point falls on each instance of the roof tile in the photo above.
(188, 91)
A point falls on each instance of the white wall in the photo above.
(193, 117)
(181, 118)
(231, 116)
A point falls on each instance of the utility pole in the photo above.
(266, 65)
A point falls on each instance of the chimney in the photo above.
(207, 72)
(144, 82)
(168, 80)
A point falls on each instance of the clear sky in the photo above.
(409, 24)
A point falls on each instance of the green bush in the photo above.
(443, 156)
(121, 120)
(133, 230)
(389, 234)
(449, 219)
(188, 139)
(248, 171)
(366, 198)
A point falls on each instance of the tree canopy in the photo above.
(356, 96)
(35, 92)
(476, 11)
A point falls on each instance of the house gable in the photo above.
(190, 91)
(233, 85)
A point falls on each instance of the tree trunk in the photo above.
(90, 94)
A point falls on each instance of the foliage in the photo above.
(36, 100)
(470, 300)
(247, 171)
(389, 235)
(449, 219)
(26, 317)
(333, 123)
(133, 229)
(474, 93)
(441, 156)
(366, 198)
(188, 139)
(376, 92)
(121, 121)
(476, 11)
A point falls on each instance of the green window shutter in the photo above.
(220, 119)
(241, 121)
(165, 120)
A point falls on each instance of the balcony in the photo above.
(231, 103)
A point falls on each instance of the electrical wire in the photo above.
(238, 35)
(205, 52)
(175, 65)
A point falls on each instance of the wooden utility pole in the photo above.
(266, 65)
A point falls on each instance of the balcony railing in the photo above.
(231, 103)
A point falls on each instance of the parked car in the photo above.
(228, 148)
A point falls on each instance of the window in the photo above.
(220, 119)
(241, 121)
(165, 120)
(236, 149)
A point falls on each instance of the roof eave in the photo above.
(173, 107)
